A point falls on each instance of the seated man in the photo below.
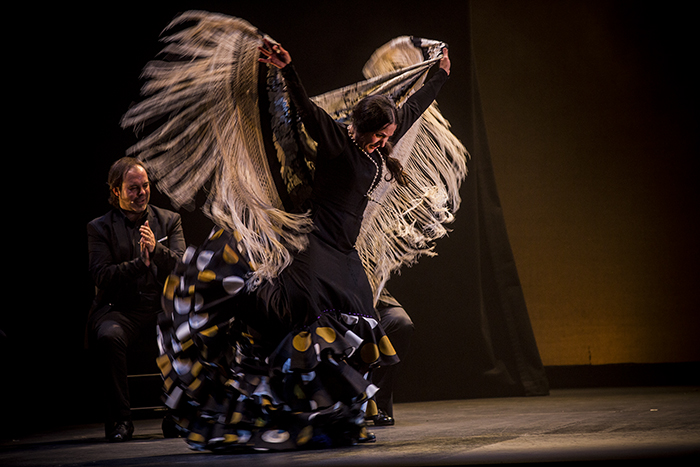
(132, 250)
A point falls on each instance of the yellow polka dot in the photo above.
(216, 234)
(369, 352)
(210, 332)
(196, 368)
(385, 346)
(248, 337)
(230, 256)
(298, 392)
(302, 341)
(371, 410)
(237, 236)
(230, 438)
(206, 276)
(194, 385)
(164, 364)
(305, 435)
(236, 418)
(195, 437)
(327, 334)
(170, 285)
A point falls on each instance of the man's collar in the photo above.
(138, 220)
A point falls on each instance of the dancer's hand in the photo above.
(445, 63)
(274, 54)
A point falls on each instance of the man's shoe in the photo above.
(122, 431)
(382, 419)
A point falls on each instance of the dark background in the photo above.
(591, 115)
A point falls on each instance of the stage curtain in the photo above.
(473, 336)
(510, 362)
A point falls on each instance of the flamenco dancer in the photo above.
(270, 331)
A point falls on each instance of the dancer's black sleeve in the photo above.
(414, 107)
(323, 129)
(330, 136)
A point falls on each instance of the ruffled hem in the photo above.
(230, 393)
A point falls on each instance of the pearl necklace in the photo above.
(372, 186)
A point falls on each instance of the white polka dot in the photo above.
(203, 259)
(232, 284)
(353, 339)
(183, 332)
(198, 302)
(349, 319)
(197, 321)
(189, 254)
(182, 367)
(182, 305)
(161, 341)
(275, 436)
(372, 322)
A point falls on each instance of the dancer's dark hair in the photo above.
(372, 114)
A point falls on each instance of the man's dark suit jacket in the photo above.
(122, 279)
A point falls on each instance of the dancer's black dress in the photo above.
(284, 366)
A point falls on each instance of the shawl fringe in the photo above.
(202, 99)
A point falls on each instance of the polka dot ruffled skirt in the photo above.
(230, 390)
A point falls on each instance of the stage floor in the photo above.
(614, 425)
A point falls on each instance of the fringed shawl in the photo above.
(209, 135)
